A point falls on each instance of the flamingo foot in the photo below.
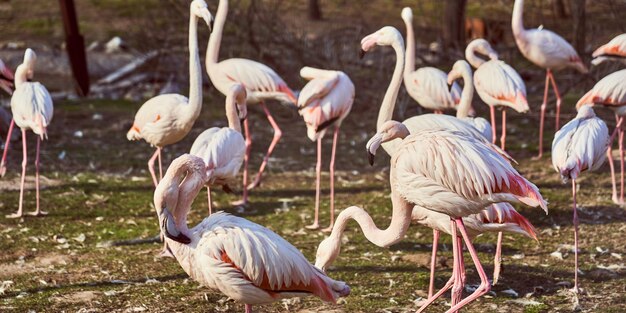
(537, 157)
(328, 229)
(3, 170)
(14, 215)
(241, 202)
(617, 201)
(313, 226)
(255, 183)
(38, 213)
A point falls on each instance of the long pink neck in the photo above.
(195, 72)
(517, 22)
(213, 49)
(389, 101)
(409, 62)
(468, 92)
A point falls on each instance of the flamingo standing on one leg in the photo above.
(546, 50)
(427, 85)
(610, 92)
(245, 261)
(32, 109)
(260, 81)
(613, 50)
(223, 149)
(324, 103)
(579, 146)
(497, 84)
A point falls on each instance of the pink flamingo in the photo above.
(429, 172)
(497, 84)
(32, 109)
(613, 50)
(324, 103)
(223, 149)
(427, 85)
(166, 119)
(579, 146)
(610, 92)
(546, 50)
(6, 78)
(246, 261)
(261, 83)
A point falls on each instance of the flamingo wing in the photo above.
(614, 48)
(481, 125)
(497, 83)
(556, 52)
(199, 146)
(429, 87)
(32, 108)
(317, 88)
(225, 154)
(255, 77)
(453, 173)
(501, 217)
(609, 91)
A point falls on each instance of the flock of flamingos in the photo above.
(446, 173)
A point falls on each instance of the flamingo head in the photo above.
(6, 78)
(201, 10)
(586, 111)
(459, 67)
(407, 14)
(390, 130)
(482, 46)
(30, 59)
(327, 252)
(386, 36)
(240, 99)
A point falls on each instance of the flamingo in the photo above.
(324, 103)
(166, 119)
(261, 83)
(223, 149)
(438, 179)
(610, 92)
(546, 50)
(497, 84)
(246, 261)
(32, 109)
(579, 146)
(427, 85)
(6, 78)
(613, 50)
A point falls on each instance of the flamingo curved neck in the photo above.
(467, 94)
(195, 70)
(389, 101)
(517, 22)
(213, 49)
(231, 113)
(409, 62)
(472, 58)
(21, 75)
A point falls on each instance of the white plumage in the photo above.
(32, 107)
(613, 50)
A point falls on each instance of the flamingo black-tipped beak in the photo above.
(362, 53)
(168, 224)
(370, 158)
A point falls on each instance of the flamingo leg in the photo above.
(503, 137)
(558, 99)
(433, 264)
(3, 167)
(575, 237)
(208, 197)
(246, 159)
(248, 308)
(485, 286)
(151, 166)
(37, 212)
(621, 160)
(160, 166)
(318, 170)
(497, 261)
(332, 181)
(277, 134)
(543, 115)
(459, 276)
(609, 153)
(24, 162)
(493, 124)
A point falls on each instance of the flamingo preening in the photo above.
(546, 50)
(497, 84)
(613, 50)
(610, 92)
(223, 149)
(426, 85)
(166, 119)
(260, 82)
(579, 146)
(324, 103)
(245, 261)
(32, 109)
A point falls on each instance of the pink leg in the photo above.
(332, 182)
(543, 115)
(248, 308)
(3, 168)
(558, 98)
(433, 264)
(277, 134)
(503, 138)
(621, 160)
(37, 212)
(318, 170)
(575, 237)
(208, 196)
(484, 284)
(246, 160)
(459, 280)
(24, 162)
(497, 262)
(609, 153)
(151, 166)
(160, 165)
(493, 124)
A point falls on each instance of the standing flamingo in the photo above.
(246, 261)
(427, 85)
(260, 81)
(32, 109)
(166, 119)
(223, 149)
(324, 103)
(497, 84)
(546, 50)
(610, 92)
(613, 50)
(579, 146)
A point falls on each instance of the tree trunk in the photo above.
(315, 13)
(454, 24)
(578, 18)
(559, 9)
